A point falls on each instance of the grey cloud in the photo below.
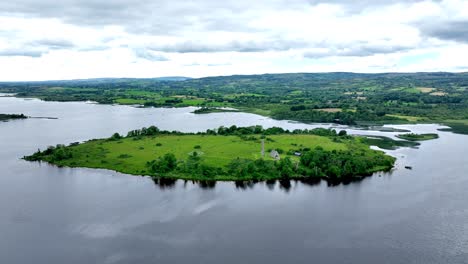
(447, 30)
(36, 48)
(359, 5)
(53, 43)
(218, 64)
(209, 64)
(237, 46)
(94, 48)
(21, 53)
(167, 16)
(147, 55)
(362, 50)
(367, 50)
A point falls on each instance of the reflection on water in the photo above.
(64, 215)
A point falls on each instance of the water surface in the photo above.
(63, 215)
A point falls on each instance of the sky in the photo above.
(75, 39)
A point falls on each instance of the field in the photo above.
(410, 118)
(215, 150)
(426, 89)
(330, 110)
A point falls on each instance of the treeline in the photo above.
(313, 164)
(312, 114)
(234, 131)
(52, 154)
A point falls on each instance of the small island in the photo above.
(209, 110)
(226, 154)
(418, 137)
(6, 117)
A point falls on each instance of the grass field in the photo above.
(215, 150)
(409, 118)
(330, 110)
(426, 89)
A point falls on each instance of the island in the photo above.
(418, 137)
(226, 154)
(6, 117)
(209, 110)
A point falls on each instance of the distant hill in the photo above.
(95, 81)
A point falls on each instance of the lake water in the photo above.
(61, 215)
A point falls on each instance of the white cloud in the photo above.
(40, 40)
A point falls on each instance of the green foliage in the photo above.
(124, 156)
(164, 164)
(387, 143)
(342, 164)
(207, 110)
(418, 137)
(6, 117)
(115, 136)
(51, 154)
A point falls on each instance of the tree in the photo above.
(164, 164)
(116, 136)
(285, 167)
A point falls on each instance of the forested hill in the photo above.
(443, 79)
(339, 97)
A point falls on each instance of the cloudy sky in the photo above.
(70, 39)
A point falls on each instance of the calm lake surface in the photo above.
(60, 215)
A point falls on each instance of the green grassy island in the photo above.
(226, 154)
(418, 137)
(6, 117)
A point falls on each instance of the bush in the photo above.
(164, 164)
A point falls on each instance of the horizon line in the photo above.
(229, 75)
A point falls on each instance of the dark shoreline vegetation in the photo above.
(227, 154)
(6, 117)
(418, 137)
(344, 98)
(388, 143)
(209, 110)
